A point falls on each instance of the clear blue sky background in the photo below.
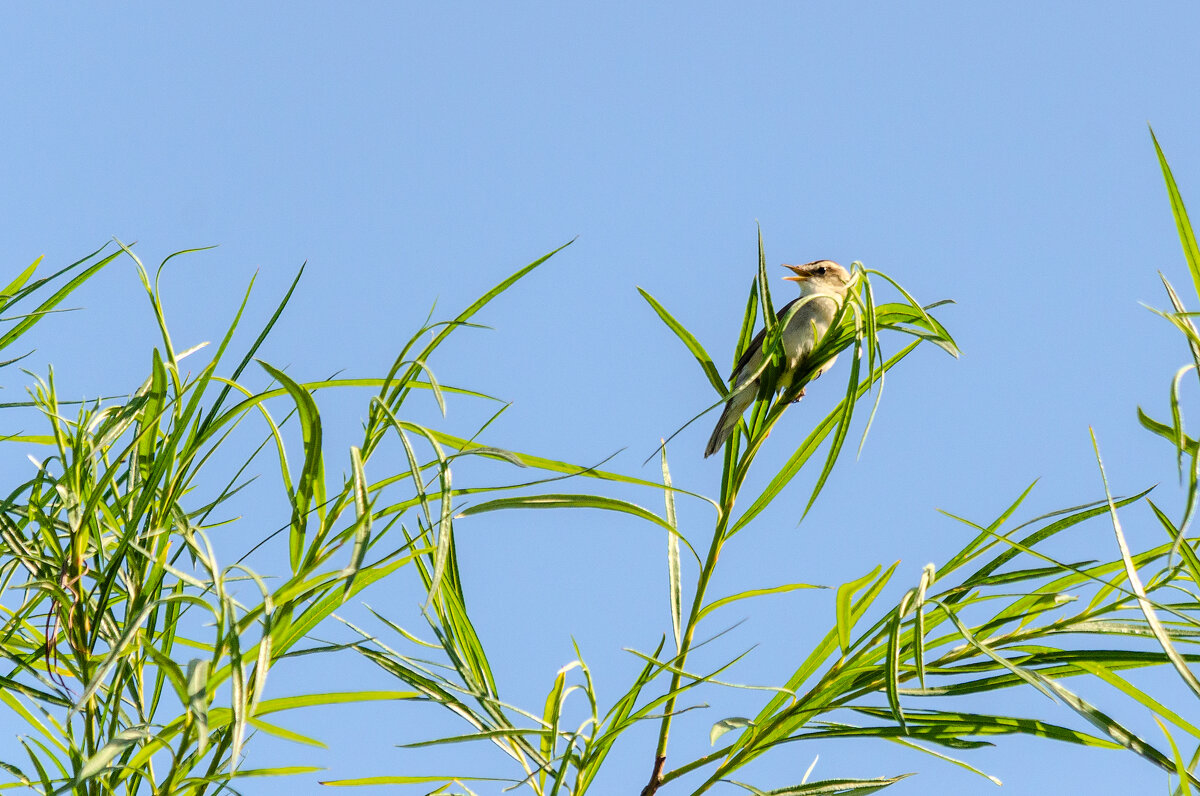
(407, 152)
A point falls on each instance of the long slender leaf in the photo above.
(689, 341)
(674, 574)
(1191, 251)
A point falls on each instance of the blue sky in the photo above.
(411, 153)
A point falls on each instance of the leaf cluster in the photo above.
(138, 661)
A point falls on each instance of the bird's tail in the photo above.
(729, 420)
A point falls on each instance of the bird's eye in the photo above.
(821, 271)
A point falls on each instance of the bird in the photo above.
(827, 282)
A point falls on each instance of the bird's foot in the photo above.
(799, 395)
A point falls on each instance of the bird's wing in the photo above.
(756, 344)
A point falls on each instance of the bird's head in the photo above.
(820, 276)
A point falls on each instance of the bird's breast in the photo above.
(809, 322)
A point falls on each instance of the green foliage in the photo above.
(999, 614)
(136, 666)
(131, 660)
(980, 623)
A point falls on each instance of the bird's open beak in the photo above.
(800, 276)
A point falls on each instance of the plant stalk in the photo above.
(685, 645)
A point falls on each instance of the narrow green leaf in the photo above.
(749, 320)
(32, 318)
(1020, 672)
(268, 706)
(943, 756)
(279, 771)
(829, 787)
(285, 635)
(845, 596)
(483, 735)
(197, 704)
(1181, 768)
(1108, 725)
(1135, 582)
(461, 320)
(928, 576)
(689, 341)
(550, 715)
(566, 468)
(1182, 319)
(17, 774)
(1178, 437)
(972, 548)
(1080, 514)
(943, 726)
(101, 760)
(435, 387)
(312, 481)
(401, 780)
(1187, 239)
(674, 576)
(1165, 431)
(285, 734)
(565, 501)
(362, 523)
(1123, 685)
(445, 535)
(209, 419)
(156, 396)
(714, 605)
(12, 287)
(33, 721)
(239, 704)
(265, 655)
(1180, 545)
(892, 679)
(764, 288)
(498, 453)
(43, 776)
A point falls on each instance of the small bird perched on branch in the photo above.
(827, 282)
